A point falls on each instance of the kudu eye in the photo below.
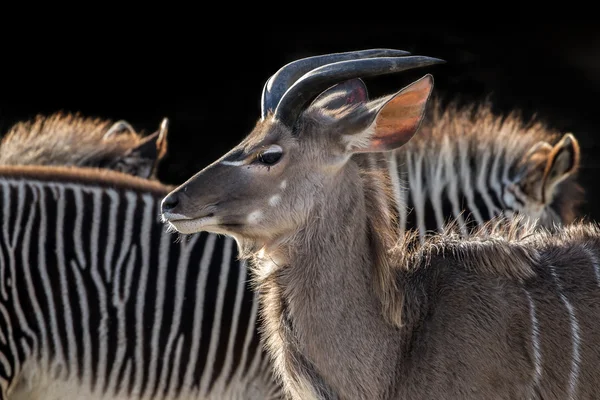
(270, 156)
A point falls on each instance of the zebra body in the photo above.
(98, 301)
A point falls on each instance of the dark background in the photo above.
(209, 83)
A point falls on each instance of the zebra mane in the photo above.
(97, 177)
(453, 128)
(63, 139)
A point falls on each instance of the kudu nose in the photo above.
(169, 203)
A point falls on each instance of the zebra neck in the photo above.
(455, 181)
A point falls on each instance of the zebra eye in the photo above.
(270, 156)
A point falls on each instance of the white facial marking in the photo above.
(232, 163)
(274, 200)
(254, 216)
(283, 184)
(167, 216)
(189, 226)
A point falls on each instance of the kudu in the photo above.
(349, 313)
(66, 139)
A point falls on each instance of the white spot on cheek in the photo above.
(283, 185)
(274, 200)
(254, 216)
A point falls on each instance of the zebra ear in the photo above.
(353, 91)
(392, 122)
(143, 159)
(161, 140)
(117, 127)
(563, 161)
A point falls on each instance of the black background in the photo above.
(208, 80)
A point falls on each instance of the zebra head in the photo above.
(74, 140)
(143, 158)
(539, 186)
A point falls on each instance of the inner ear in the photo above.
(534, 162)
(395, 120)
(539, 150)
(562, 162)
(350, 92)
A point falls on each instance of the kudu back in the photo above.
(348, 311)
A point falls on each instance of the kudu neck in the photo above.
(327, 287)
(334, 240)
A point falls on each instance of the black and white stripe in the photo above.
(466, 180)
(465, 187)
(96, 299)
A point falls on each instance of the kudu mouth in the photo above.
(209, 217)
(185, 222)
(190, 225)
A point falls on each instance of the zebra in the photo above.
(468, 164)
(97, 300)
(73, 139)
(116, 146)
(213, 266)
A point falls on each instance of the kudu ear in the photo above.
(562, 162)
(393, 122)
(350, 92)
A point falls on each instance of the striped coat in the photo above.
(97, 299)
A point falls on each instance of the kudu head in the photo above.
(315, 117)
